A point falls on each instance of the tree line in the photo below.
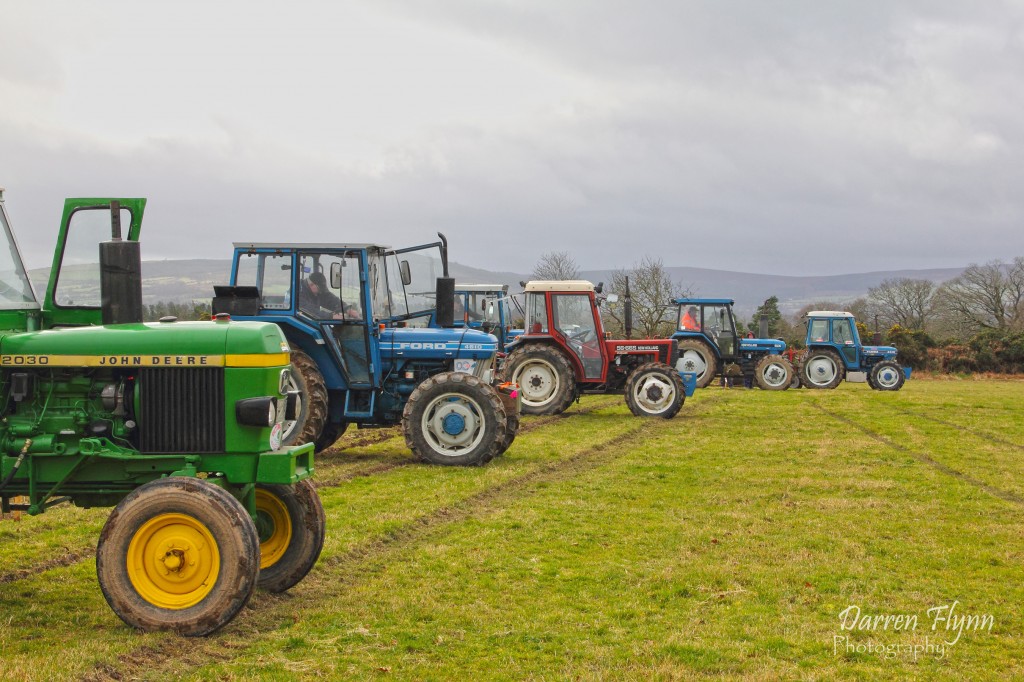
(971, 323)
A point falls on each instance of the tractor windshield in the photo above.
(15, 290)
(412, 280)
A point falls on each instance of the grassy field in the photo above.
(727, 541)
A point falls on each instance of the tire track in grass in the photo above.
(83, 553)
(995, 440)
(926, 459)
(343, 570)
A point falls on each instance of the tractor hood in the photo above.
(773, 346)
(884, 351)
(433, 343)
(212, 344)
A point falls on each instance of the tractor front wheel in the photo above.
(454, 419)
(823, 369)
(311, 412)
(178, 554)
(546, 379)
(773, 373)
(654, 390)
(887, 376)
(291, 525)
(697, 357)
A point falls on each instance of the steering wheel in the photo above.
(582, 336)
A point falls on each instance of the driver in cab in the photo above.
(318, 301)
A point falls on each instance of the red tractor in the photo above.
(563, 353)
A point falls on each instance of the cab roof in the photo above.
(705, 301)
(560, 285)
(306, 246)
(828, 313)
(481, 287)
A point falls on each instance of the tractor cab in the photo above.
(712, 319)
(334, 299)
(484, 307)
(567, 312)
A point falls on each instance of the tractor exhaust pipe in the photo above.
(627, 311)
(120, 275)
(445, 290)
(762, 327)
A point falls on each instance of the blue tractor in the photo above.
(709, 346)
(834, 348)
(374, 344)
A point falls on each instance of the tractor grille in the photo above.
(181, 409)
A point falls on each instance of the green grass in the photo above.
(723, 542)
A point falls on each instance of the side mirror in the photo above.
(406, 273)
(336, 275)
(612, 298)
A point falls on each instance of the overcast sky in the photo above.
(779, 137)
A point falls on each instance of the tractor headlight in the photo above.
(256, 411)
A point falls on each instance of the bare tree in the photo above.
(653, 292)
(903, 301)
(556, 265)
(989, 296)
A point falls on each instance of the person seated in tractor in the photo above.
(318, 301)
(688, 321)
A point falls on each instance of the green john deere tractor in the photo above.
(178, 424)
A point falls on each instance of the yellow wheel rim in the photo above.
(173, 561)
(274, 524)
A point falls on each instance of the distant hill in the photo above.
(188, 280)
(750, 290)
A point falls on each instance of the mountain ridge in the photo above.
(193, 279)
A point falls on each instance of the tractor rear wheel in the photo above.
(823, 369)
(697, 357)
(291, 525)
(887, 376)
(311, 412)
(178, 554)
(454, 419)
(329, 435)
(546, 378)
(654, 390)
(773, 373)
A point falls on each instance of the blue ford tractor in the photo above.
(374, 344)
(834, 348)
(709, 346)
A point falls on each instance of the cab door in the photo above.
(73, 296)
(844, 336)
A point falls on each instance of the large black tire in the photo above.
(822, 369)
(312, 409)
(654, 390)
(887, 376)
(329, 435)
(454, 419)
(546, 378)
(178, 554)
(511, 428)
(291, 525)
(773, 373)
(697, 357)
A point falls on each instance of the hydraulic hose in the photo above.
(17, 464)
